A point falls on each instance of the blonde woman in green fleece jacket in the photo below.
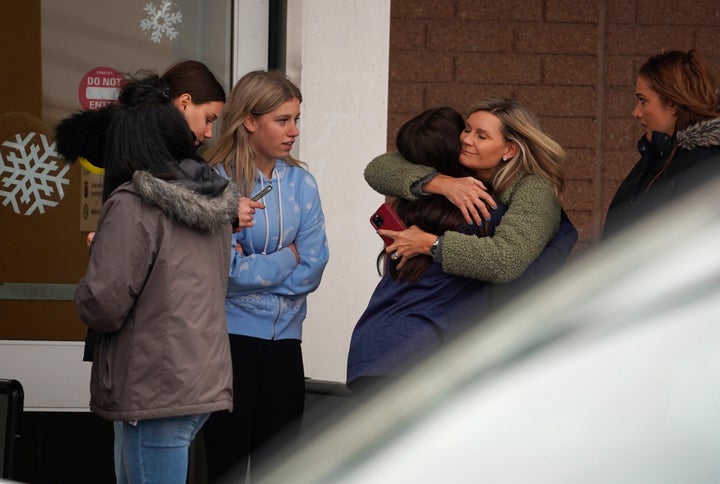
(513, 161)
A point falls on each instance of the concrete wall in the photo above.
(337, 52)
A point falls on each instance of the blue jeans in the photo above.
(155, 451)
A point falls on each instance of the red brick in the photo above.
(620, 71)
(619, 135)
(559, 101)
(620, 102)
(499, 69)
(422, 8)
(678, 12)
(407, 34)
(618, 163)
(579, 164)
(419, 66)
(570, 70)
(463, 36)
(556, 38)
(516, 10)
(576, 11)
(570, 132)
(713, 62)
(462, 95)
(579, 194)
(621, 11)
(707, 42)
(404, 97)
(647, 40)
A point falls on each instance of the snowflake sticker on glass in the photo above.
(32, 174)
(161, 21)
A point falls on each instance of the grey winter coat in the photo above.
(155, 290)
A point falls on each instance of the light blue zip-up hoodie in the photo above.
(267, 289)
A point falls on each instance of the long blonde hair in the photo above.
(255, 94)
(537, 153)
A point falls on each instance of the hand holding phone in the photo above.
(386, 218)
(246, 209)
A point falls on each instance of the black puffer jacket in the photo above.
(653, 182)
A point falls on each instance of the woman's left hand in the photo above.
(408, 243)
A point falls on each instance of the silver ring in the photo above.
(394, 256)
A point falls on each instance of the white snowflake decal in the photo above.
(32, 174)
(160, 21)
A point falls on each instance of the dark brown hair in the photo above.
(194, 78)
(431, 138)
(685, 80)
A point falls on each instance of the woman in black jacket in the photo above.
(677, 106)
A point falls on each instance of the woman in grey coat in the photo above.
(155, 287)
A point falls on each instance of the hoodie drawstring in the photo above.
(280, 219)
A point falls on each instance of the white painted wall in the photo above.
(52, 373)
(337, 54)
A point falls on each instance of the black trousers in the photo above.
(268, 404)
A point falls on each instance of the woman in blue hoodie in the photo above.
(276, 262)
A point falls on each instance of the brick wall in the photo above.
(572, 62)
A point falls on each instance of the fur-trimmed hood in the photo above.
(705, 134)
(207, 208)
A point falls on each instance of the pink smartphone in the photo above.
(386, 218)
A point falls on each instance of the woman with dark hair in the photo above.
(154, 289)
(677, 107)
(145, 114)
(417, 305)
(191, 87)
(197, 93)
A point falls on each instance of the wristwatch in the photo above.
(434, 246)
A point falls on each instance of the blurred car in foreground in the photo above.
(609, 372)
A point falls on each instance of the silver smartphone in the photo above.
(261, 193)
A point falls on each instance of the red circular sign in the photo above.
(99, 87)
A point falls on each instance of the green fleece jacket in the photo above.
(531, 220)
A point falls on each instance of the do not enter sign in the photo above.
(99, 87)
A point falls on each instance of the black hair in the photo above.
(85, 133)
(146, 132)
